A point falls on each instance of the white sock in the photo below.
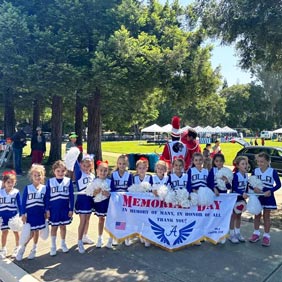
(266, 235)
(53, 241)
(231, 232)
(63, 242)
(79, 242)
(237, 230)
(100, 237)
(256, 232)
(110, 240)
(34, 246)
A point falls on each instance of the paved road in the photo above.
(244, 262)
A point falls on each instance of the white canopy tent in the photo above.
(167, 128)
(278, 131)
(154, 128)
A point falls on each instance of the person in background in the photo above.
(262, 141)
(72, 141)
(38, 146)
(190, 140)
(216, 149)
(19, 141)
(256, 141)
(207, 157)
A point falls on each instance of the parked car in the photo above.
(251, 152)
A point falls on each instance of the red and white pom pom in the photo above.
(71, 157)
(255, 182)
(44, 233)
(15, 223)
(254, 206)
(205, 196)
(223, 172)
(171, 197)
(182, 198)
(100, 183)
(193, 199)
(25, 234)
(240, 207)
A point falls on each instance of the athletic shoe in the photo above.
(223, 241)
(115, 243)
(198, 243)
(254, 238)
(99, 243)
(81, 249)
(233, 239)
(265, 241)
(147, 244)
(64, 248)
(32, 254)
(87, 240)
(20, 252)
(128, 242)
(109, 245)
(53, 251)
(3, 253)
(240, 238)
(142, 240)
(15, 252)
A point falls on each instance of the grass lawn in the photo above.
(125, 147)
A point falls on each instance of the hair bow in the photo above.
(102, 162)
(7, 172)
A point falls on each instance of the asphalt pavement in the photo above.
(208, 262)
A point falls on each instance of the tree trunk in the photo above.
(56, 129)
(79, 120)
(94, 125)
(9, 113)
(36, 115)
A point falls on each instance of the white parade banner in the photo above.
(167, 226)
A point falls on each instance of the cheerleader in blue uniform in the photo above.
(59, 204)
(10, 206)
(178, 179)
(271, 183)
(217, 164)
(121, 179)
(142, 166)
(100, 208)
(84, 204)
(240, 186)
(33, 208)
(197, 175)
(160, 178)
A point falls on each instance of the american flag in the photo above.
(120, 225)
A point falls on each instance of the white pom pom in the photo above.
(15, 223)
(205, 196)
(44, 233)
(223, 172)
(89, 190)
(254, 205)
(255, 182)
(182, 198)
(140, 188)
(25, 234)
(240, 207)
(162, 192)
(71, 157)
(194, 199)
(103, 185)
(134, 188)
(145, 186)
(171, 197)
(1, 221)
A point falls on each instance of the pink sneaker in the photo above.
(254, 238)
(265, 241)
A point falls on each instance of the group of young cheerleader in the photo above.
(55, 201)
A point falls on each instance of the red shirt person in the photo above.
(189, 138)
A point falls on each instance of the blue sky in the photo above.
(225, 56)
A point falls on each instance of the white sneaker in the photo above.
(147, 244)
(64, 248)
(128, 242)
(99, 243)
(32, 254)
(20, 252)
(142, 240)
(233, 239)
(15, 252)
(81, 249)
(240, 238)
(110, 243)
(87, 240)
(115, 243)
(3, 253)
(53, 251)
(223, 241)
